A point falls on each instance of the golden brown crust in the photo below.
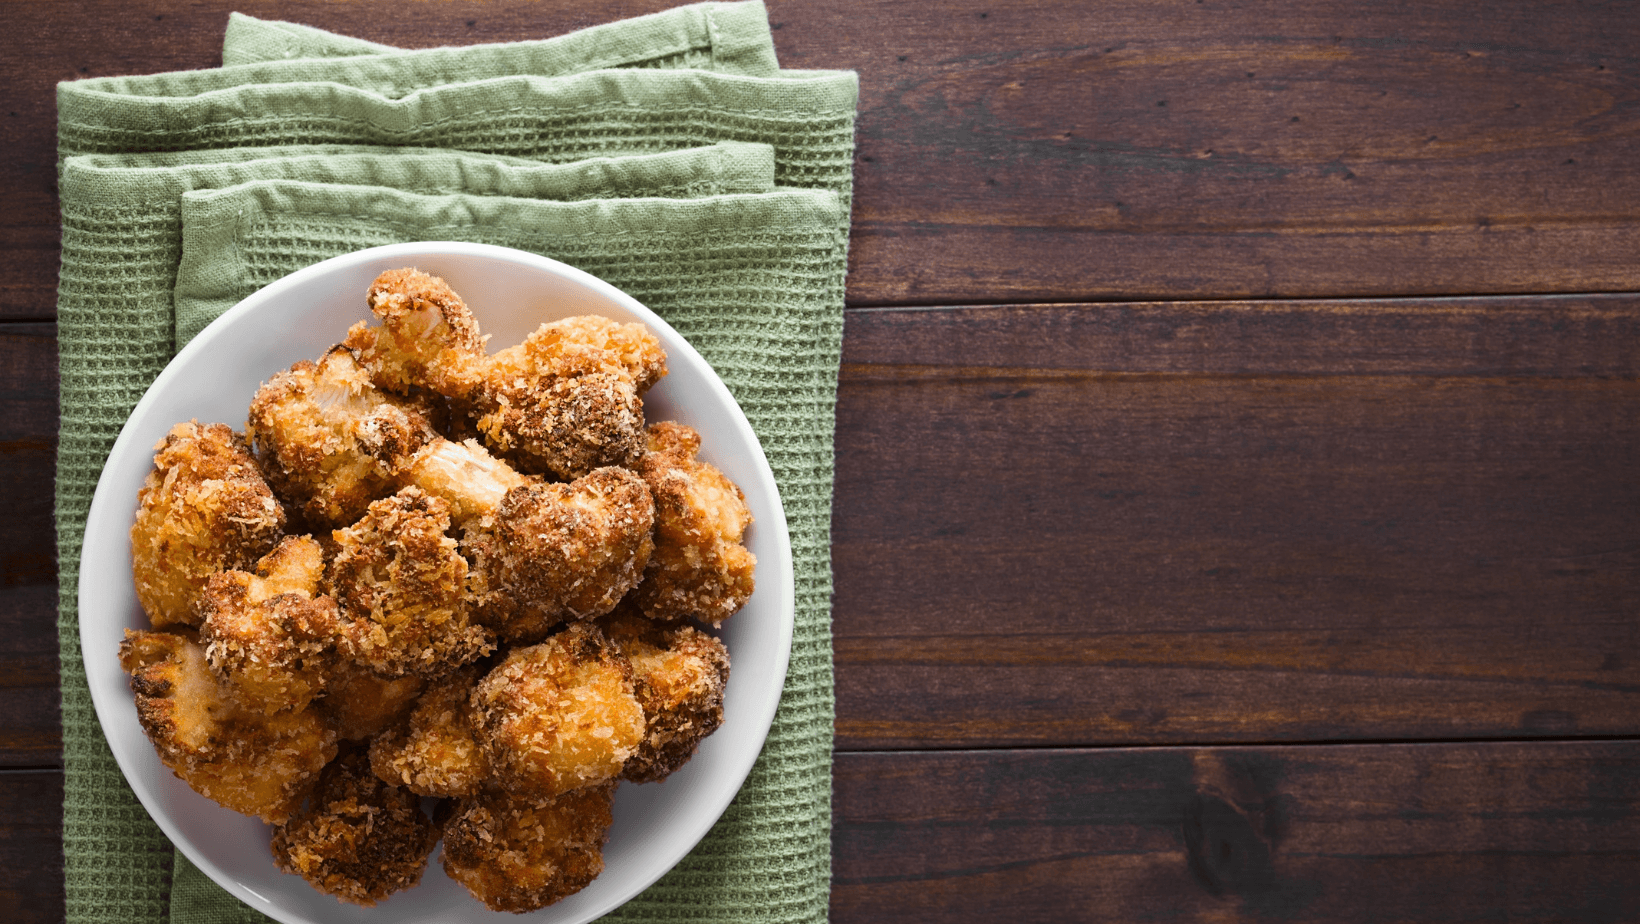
(330, 441)
(400, 585)
(435, 751)
(204, 508)
(253, 763)
(363, 705)
(519, 854)
(427, 339)
(360, 839)
(555, 552)
(678, 676)
(700, 569)
(268, 634)
(559, 715)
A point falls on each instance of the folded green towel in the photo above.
(755, 280)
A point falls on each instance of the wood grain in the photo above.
(31, 846)
(1441, 832)
(1054, 151)
(1238, 522)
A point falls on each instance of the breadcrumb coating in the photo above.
(555, 552)
(269, 634)
(700, 569)
(427, 338)
(678, 677)
(251, 762)
(363, 705)
(518, 854)
(330, 441)
(471, 480)
(204, 508)
(401, 585)
(359, 839)
(435, 751)
(559, 715)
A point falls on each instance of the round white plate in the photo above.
(511, 292)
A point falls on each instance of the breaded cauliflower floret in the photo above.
(204, 508)
(427, 338)
(363, 705)
(253, 763)
(699, 569)
(465, 475)
(559, 715)
(555, 552)
(360, 839)
(435, 751)
(678, 676)
(330, 441)
(401, 586)
(519, 854)
(569, 398)
(269, 634)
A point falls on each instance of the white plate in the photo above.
(299, 317)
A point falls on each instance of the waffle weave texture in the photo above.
(181, 193)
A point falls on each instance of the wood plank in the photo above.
(31, 846)
(30, 727)
(1069, 151)
(1109, 524)
(1438, 832)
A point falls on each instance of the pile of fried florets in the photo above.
(431, 573)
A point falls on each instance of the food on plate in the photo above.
(700, 569)
(516, 853)
(359, 838)
(559, 715)
(471, 576)
(243, 758)
(204, 508)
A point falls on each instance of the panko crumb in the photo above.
(435, 751)
(359, 839)
(559, 715)
(204, 508)
(256, 764)
(427, 339)
(364, 705)
(678, 676)
(518, 854)
(700, 569)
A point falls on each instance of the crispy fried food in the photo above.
(471, 480)
(251, 762)
(427, 339)
(699, 569)
(678, 677)
(269, 634)
(559, 715)
(330, 441)
(519, 854)
(363, 705)
(203, 509)
(554, 552)
(401, 586)
(435, 751)
(360, 839)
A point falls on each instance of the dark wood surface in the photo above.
(1238, 453)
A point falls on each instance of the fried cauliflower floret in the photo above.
(269, 634)
(248, 761)
(465, 475)
(360, 839)
(427, 338)
(435, 751)
(330, 441)
(362, 705)
(401, 586)
(569, 398)
(678, 677)
(555, 552)
(700, 569)
(519, 854)
(204, 508)
(559, 715)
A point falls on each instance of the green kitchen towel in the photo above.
(122, 252)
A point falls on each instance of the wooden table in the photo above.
(1238, 449)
